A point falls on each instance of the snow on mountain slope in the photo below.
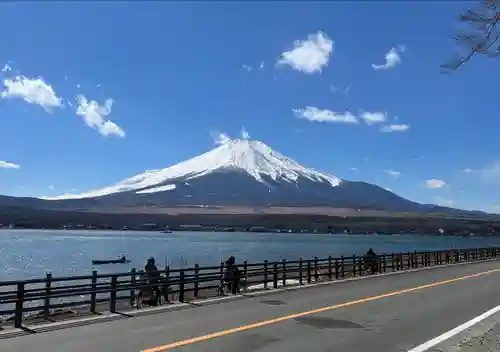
(252, 157)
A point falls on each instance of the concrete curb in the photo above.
(107, 316)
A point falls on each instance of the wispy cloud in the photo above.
(353, 169)
(247, 68)
(6, 165)
(371, 118)
(51, 187)
(309, 56)
(435, 183)
(393, 173)
(468, 170)
(33, 91)
(6, 68)
(392, 58)
(244, 133)
(94, 116)
(312, 113)
(334, 89)
(220, 138)
(395, 128)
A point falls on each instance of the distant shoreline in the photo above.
(354, 222)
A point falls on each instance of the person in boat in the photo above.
(371, 261)
(232, 274)
(153, 277)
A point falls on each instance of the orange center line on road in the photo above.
(314, 311)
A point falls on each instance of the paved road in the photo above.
(383, 314)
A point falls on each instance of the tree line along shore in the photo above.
(413, 223)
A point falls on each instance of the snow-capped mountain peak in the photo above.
(249, 156)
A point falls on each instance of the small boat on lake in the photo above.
(122, 260)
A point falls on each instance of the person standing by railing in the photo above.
(232, 275)
(153, 277)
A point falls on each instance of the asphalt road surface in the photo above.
(380, 314)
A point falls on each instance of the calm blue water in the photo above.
(31, 254)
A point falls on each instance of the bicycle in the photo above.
(224, 286)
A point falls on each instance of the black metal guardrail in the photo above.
(42, 296)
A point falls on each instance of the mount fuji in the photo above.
(239, 173)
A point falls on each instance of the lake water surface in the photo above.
(32, 253)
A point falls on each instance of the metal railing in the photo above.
(104, 291)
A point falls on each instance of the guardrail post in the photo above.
(181, 285)
(221, 273)
(93, 294)
(308, 271)
(336, 269)
(393, 262)
(265, 274)
(300, 271)
(245, 271)
(133, 283)
(408, 260)
(166, 286)
(316, 270)
(46, 303)
(384, 263)
(342, 263)
(283, 276)
(275, 275)
(414, 262)
(401, 261)
(18, 317)
(112, 294)
(330, 268)
(353, 265)
(196, 278)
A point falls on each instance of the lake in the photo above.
(32, 253)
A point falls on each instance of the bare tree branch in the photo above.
(480, 36)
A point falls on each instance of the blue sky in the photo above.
(97, 92)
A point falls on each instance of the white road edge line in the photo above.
(449, 334)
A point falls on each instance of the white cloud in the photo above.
(78, 85)
(6, 68)
(244, 133)
(393, 173)
(395, 128)
(353, 169)
(435, 183)
(314, 114)
(443, 201)
(247, 68)
(33, 91)
(51, 187)
(392, 58)
(261, 66)
(309, 56)
(371, 118)
(468, 170)
(94, 116)
(220, 138)
(6, 165)
(388, 189)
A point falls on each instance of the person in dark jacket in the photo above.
(371, 261)
(232, 275)
(153, 278)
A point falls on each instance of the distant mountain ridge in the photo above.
(238, 173)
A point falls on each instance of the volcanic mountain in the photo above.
(240, 173)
